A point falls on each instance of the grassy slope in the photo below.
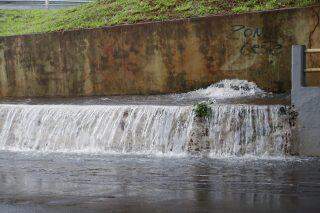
(112, 12)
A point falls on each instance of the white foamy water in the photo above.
(232, 130)
(229, 88)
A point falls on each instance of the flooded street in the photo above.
(58, 182)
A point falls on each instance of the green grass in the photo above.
(114, 12)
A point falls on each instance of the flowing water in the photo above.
(230, 130)
(153, 153)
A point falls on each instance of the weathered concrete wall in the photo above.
(162, 57)
(307, 103)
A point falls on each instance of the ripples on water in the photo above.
(53, 182)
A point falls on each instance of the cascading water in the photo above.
(230, 130)
(234, 130)
(237, 135)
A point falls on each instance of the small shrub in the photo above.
(202, 110)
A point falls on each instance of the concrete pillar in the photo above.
(307, 103)
(298, 66)
(297, 71)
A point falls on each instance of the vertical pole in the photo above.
(47, 3)
(297, 72)
(298, 66)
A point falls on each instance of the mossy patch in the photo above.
(202, 110)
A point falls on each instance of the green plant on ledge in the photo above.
(202, 110)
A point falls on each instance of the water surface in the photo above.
(59, 182)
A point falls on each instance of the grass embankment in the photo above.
(113, 12)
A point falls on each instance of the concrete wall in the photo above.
(163, 57)
(307, 103)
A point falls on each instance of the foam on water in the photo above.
(229, 88)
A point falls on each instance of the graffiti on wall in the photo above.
(250, 43)
(261, 45)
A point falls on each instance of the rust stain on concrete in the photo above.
(161, 57)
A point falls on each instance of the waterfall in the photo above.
(230, 130)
